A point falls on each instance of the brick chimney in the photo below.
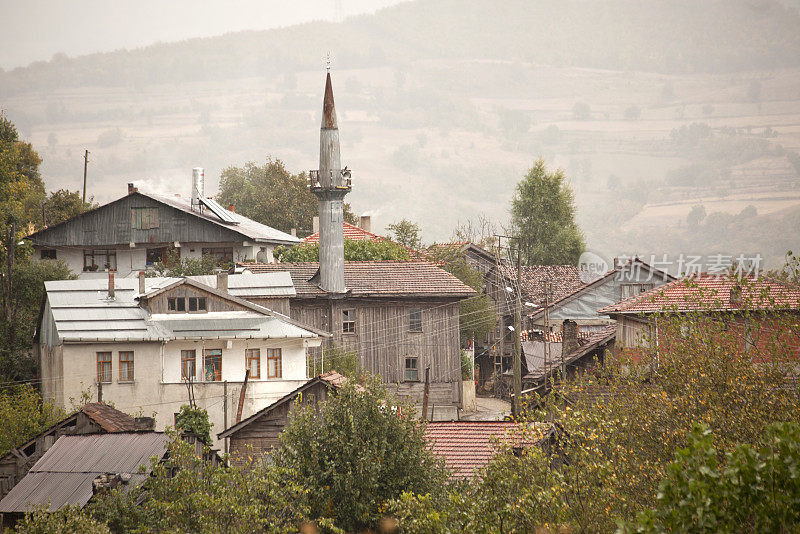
(222, 281)
(365, 223)
(142, 286)
(111, 286)
(131, 189)
(569, 337)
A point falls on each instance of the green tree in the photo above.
(271, 195)
(696, 215)
(543, 214)
(354, 250)
(174, 266)
(355, 453)
(755, 488)
(23, 414)
(194, 421)
(64, 204)
(406, 233)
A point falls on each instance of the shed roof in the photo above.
(711, 292)
(108, 418)
(332, 379)
(587, 342)
(467, 446)
(415, 279)
(64, 474)
(351, 231)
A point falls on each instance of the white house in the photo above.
(149, 344)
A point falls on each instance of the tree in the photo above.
(696, 215)
(23, 414)
(755, 488)
(354, 250)
(172, 265)
(406, 233)
(633, 112)
(543, 214)
(194, 421)
(581, 111)
(356, 452)
(64, 204)
(271, 195)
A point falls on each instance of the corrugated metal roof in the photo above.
(82, 311)
(247, 227)
(64, 474)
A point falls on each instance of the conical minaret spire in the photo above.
(330, 184)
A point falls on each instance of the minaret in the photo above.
(330, 184)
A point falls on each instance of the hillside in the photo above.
(651, 108)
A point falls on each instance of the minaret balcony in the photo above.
(341, 180)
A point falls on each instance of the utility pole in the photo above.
(85, 165)
(225, 410)
(518, 336)
(99, 391)
(427, 393)
(241, 397)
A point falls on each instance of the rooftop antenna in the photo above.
(328, 61)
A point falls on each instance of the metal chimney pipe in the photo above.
(111, 288)
(142, 290)
(198, 184)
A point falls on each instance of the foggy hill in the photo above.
(671, 36)
(652, 108)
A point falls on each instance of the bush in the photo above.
(355, 453)
(194, 421)
(354, 250)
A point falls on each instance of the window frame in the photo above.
(48, 254)
(101, 374)
(221, 254)
(176, 304)
(184, 360)
(212, 355)
(108, 265)
(349, 324)
(412, 322)
(250, 356)
(275, 355)
(414, 368)
(122, 365)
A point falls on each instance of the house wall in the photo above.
(132, 260)
(382, 340)
(159, 303)
(157, 385)
(583, 308)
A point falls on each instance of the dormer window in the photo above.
(197, 304)
(176, 304)
(190, 304)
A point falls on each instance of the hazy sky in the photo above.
(32, 30)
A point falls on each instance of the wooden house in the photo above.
(399, 317)
(134, 232)
(260, 432)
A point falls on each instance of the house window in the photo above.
(213, 365)
(48, 253)
(253, 357)
(221, 254)
(154, 255)
(415, 320)
(197, 304)
(188, 362)
(348, 321)
(176, 304)
(104, 367)
(630, 290)
(126, 366)
(412, 369)
(144, 218)
(99, 260)
(274, 363)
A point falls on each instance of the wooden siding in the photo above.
(280, 305)
(383, 340)
(262, 434)
(213, 302)
(110, 225)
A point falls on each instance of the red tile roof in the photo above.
(563, 280)
(108, 418)
(467, 446)
(351, 231)
(414, 279)
(707, 292)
